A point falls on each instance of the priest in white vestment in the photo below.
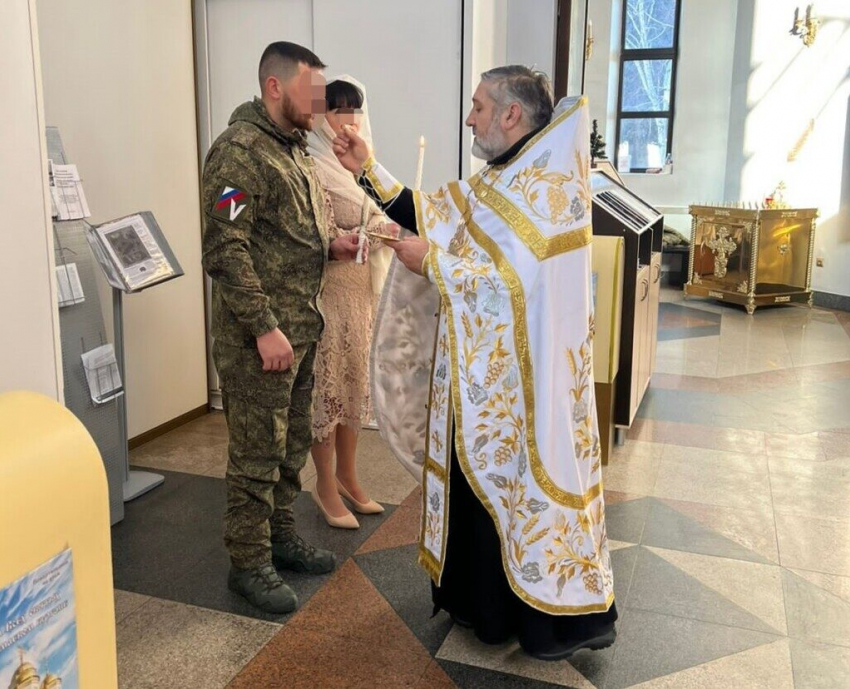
(496, 410)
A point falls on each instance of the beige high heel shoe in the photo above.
(348, 521)
(370, 507)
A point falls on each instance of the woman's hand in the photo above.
(345, 248)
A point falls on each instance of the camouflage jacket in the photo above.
(265, 242)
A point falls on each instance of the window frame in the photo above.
(636, 55)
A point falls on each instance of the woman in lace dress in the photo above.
(341, 388)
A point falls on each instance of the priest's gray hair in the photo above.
(519, 84)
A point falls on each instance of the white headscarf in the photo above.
(340, 181)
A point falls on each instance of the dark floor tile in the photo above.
(166, 532)
(346, 636)
(623, 563)
(407, 588)
(650, 645)
(625, 520)
(470, 677)
(685, 333)
(815, 614)
(820, 666)
(435, 678)
(170, 545)
(667, 528)
(660, 587)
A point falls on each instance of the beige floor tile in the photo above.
(763, 667)
(754, 587)
(127, 602)
(748, 462)
(461, 646)
(812, 543)
(826, 497)
(165, 643)
(713, 485)
(834, 584)
(752, 528)
(634, 474)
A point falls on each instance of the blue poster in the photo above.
(38, 629)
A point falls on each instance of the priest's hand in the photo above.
(344, 248)
(351, 150)
(411, 252)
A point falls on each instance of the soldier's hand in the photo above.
(345, 248)
(411, 252)
(351, 150)
(275, 351)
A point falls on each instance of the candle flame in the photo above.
(421, 140)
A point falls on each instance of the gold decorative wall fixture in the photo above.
(751, 256)
(806, 27)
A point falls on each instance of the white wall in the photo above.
(408, 55)
(531, 34)
(700, 130)
(30, 354)
(486, 41)
(119, 84)
(780, 87)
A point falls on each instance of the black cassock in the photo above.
(474, 588)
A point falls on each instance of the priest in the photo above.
(513, 526)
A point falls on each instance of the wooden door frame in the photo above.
(563, 30)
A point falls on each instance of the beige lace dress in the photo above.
(341, 388)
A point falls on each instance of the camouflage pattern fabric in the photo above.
(267, 450)
(265, 246)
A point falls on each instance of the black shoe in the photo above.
(299, 556)
(596, 643)
(263, 588)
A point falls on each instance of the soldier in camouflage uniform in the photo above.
(265, 247)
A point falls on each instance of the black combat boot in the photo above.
(263, 588)
(294, 553)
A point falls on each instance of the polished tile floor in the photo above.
(728, 510)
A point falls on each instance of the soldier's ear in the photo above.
(273, 87)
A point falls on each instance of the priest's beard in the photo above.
(490, 145)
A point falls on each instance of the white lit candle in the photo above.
(417, 185)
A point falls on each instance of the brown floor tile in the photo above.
(308, 659)
(402, 528)
(346, 636)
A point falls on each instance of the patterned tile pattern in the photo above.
(728, 508)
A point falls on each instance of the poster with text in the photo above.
(38, 628)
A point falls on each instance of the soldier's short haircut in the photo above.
(281, 59)
(519, 84)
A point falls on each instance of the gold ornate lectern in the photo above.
(752, 257)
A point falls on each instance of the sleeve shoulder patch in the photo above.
(231, 204)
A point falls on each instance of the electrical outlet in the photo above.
(819, 262)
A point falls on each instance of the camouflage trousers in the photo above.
(267, 449)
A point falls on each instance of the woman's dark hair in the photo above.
(343, 94)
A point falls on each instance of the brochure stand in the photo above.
(134, 255)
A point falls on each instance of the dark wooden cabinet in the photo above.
(619, 212)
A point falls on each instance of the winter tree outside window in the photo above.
(647, 82)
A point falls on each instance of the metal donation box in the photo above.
(751, 257)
